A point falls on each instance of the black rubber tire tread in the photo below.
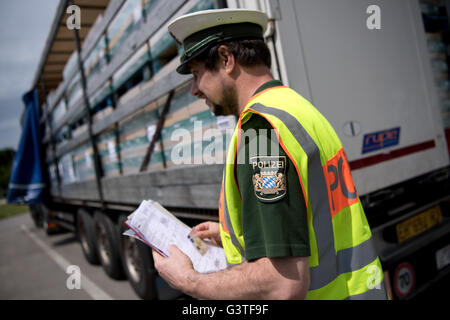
(113, 267)
(146, 288)
(84, 218)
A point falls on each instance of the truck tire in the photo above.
(36, 215)
(108, 245)
(138, 264)
(86, 236)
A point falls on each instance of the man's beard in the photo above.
(228, 105)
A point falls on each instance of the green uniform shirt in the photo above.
(274, 225)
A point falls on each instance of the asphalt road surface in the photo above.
(36, 266)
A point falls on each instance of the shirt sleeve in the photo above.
(273, 226)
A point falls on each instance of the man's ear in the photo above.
(226, 59)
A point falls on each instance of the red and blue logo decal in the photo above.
(380, 140)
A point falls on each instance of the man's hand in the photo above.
(176, 269)
(209, 230)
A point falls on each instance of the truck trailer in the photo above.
(118, 123)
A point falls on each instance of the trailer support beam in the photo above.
(97, 163)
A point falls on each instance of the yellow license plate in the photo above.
(418, 224)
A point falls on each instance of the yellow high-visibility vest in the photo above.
(343, 262)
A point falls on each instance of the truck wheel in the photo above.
(36, 215)
(108, 245)
(86, 236)
(138, 264)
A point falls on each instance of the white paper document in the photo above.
(158, 228)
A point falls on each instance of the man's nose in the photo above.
(194, 89)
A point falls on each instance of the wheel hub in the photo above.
(132, 259)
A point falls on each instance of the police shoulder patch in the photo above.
(269, 177)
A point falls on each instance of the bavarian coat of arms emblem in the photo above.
(269, 177)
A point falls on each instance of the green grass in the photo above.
(9, 210)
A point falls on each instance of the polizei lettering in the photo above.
(191, 310)
(268, 164)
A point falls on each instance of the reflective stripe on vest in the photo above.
(233, 243)
(230, 229)
(376, 293)
(334, 273)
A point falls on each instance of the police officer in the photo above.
(290, 220)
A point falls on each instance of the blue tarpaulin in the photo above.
(27, 182)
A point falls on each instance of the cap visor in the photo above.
(183, 68)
